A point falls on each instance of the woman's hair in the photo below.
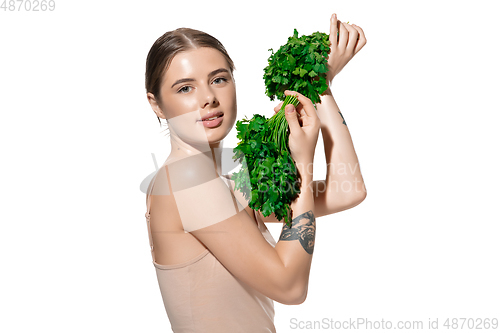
(167, 46)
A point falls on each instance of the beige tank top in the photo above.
(201, 295)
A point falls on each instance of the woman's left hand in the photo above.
(351, 39)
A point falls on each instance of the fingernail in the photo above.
(289, 108)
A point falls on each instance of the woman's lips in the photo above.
(212, 114)
(213, 123)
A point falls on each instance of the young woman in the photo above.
(218, 267)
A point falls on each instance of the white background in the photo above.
(77, 135)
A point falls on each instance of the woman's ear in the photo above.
(155, 106)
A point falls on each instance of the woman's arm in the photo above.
(343, 187)
(207, 210)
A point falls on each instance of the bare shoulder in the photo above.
(162, 203)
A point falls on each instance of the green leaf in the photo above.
(313, 74)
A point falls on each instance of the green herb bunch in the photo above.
(268, 177)
(299, 65)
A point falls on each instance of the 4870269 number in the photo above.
(28, 5)
(471, 323)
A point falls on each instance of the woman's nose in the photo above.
(209, 98)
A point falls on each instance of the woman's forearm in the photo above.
(343, 170)
(296, 244)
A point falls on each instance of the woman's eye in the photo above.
(219, 80)
(184, 89)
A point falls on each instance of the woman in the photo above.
(218, 267)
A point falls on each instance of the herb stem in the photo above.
(278, 125)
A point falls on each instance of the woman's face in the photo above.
(199, 82)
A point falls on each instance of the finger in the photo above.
(353, 38)
(300, 111)
(291, 118)
(333, 32)
(308, 107)
(361, 39)
(343, 36)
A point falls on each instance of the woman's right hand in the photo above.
(304, 128)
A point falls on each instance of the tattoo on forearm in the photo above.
(342, 118)
(304, 229)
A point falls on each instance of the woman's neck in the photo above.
(182, 149)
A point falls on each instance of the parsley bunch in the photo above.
(268, 177)
(299, 65)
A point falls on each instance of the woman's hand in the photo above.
(351, 39)
(304, 128)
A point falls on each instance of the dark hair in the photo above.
(167, 46)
